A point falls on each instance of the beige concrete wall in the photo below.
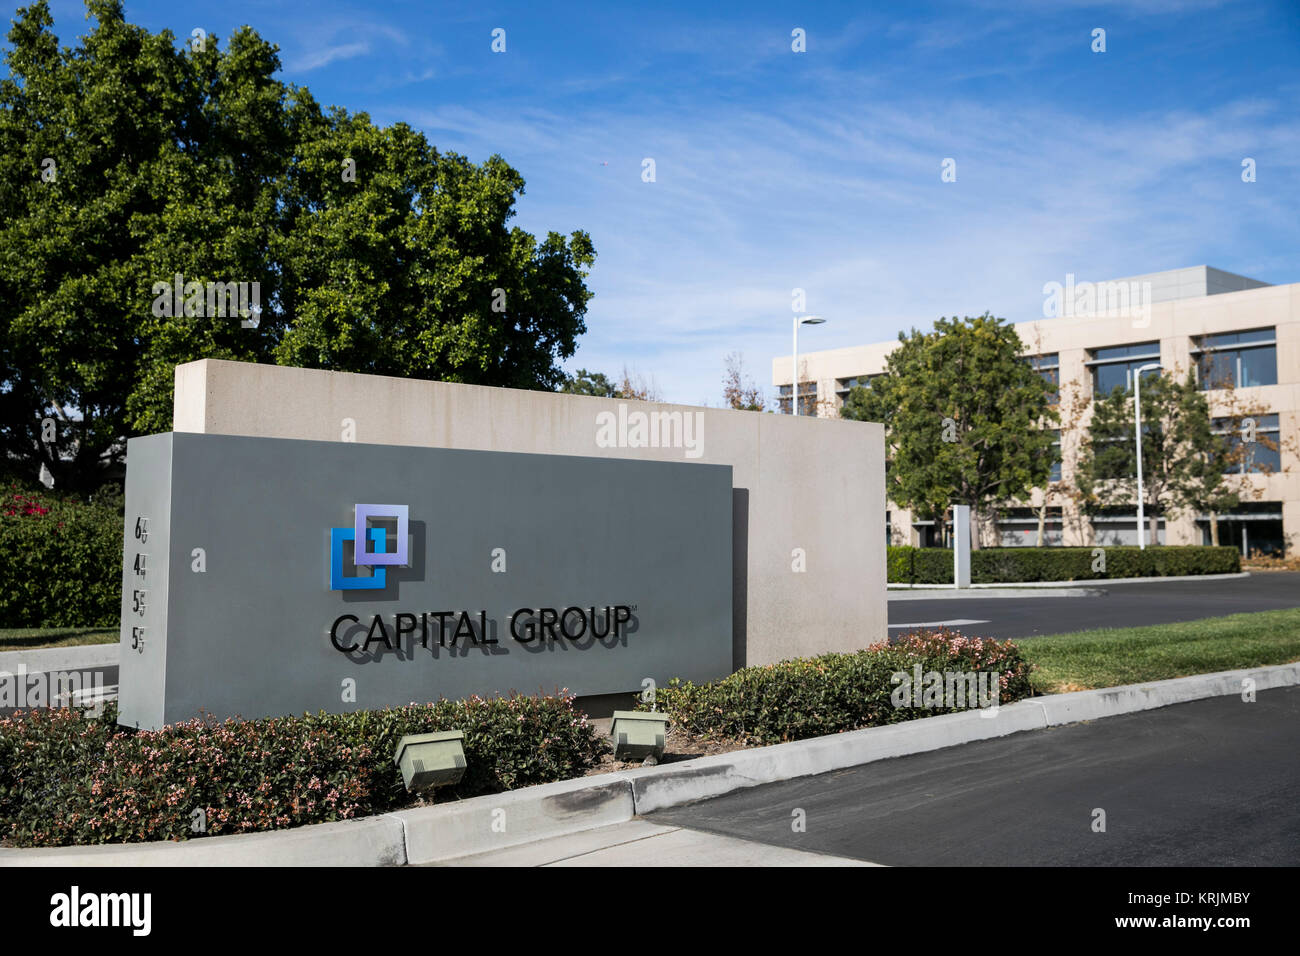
(1173, 324)
(807, 483)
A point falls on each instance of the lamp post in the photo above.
(1137, 409)
(794, 388)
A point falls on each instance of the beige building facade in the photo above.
(1241, 338)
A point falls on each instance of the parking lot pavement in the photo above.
(1210, 783)
(1119, 605)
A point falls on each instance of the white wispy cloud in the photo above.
(321, 56)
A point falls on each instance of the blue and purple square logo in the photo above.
(372, 549)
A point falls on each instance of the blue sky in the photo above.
(821, 170)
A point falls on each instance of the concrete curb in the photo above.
(78, 657)
(1027, 585)
(371, 841)
(452, 830)
(707, 777)
(502, 820)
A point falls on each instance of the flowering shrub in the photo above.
(62, 560)
(809, 697)
(69, 779)
(20, 504)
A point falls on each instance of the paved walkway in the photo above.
(638, 843)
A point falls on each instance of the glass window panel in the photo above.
(1053, 378)
(1106, 378)
(1124, 351)
(1262, 458)
(1259, 366)
(1218, 341)
(1255, 456)
(1218, 370)
(1227, 339)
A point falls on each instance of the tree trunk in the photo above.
(976, 526)
(1042, 520)
(1153, 532)
(1214, 528)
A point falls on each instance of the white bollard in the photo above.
(961, 545)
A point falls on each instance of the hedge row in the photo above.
(809, 697)
(69, 779)
(66, 778)
(62, 560)
(908, 565)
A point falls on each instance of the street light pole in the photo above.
(1137, 409)
(794, 387)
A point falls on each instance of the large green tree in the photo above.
(966, 418)
(131, 158)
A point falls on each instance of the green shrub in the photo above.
(908, 565)
(69, 779)
(62, 560)
(810, 697)
(899, 567)
(1004, 565)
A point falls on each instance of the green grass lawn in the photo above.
(30, 638)
(1113, 656)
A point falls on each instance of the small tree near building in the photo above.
(967, 421)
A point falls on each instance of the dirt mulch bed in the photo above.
(678, 746)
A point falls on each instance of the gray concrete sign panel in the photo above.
(266, 576)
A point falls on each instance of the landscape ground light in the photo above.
(431, 760)
(638, 734)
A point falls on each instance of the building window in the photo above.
(1241, 359)
(845, 385)
(1261, 456)
(1253, 527)
(1018, 527)
(1118, 527)
(1056, 462)
(807, 398)
(1048, 366)
(1113, 367)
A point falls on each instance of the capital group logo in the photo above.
(369, 547)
